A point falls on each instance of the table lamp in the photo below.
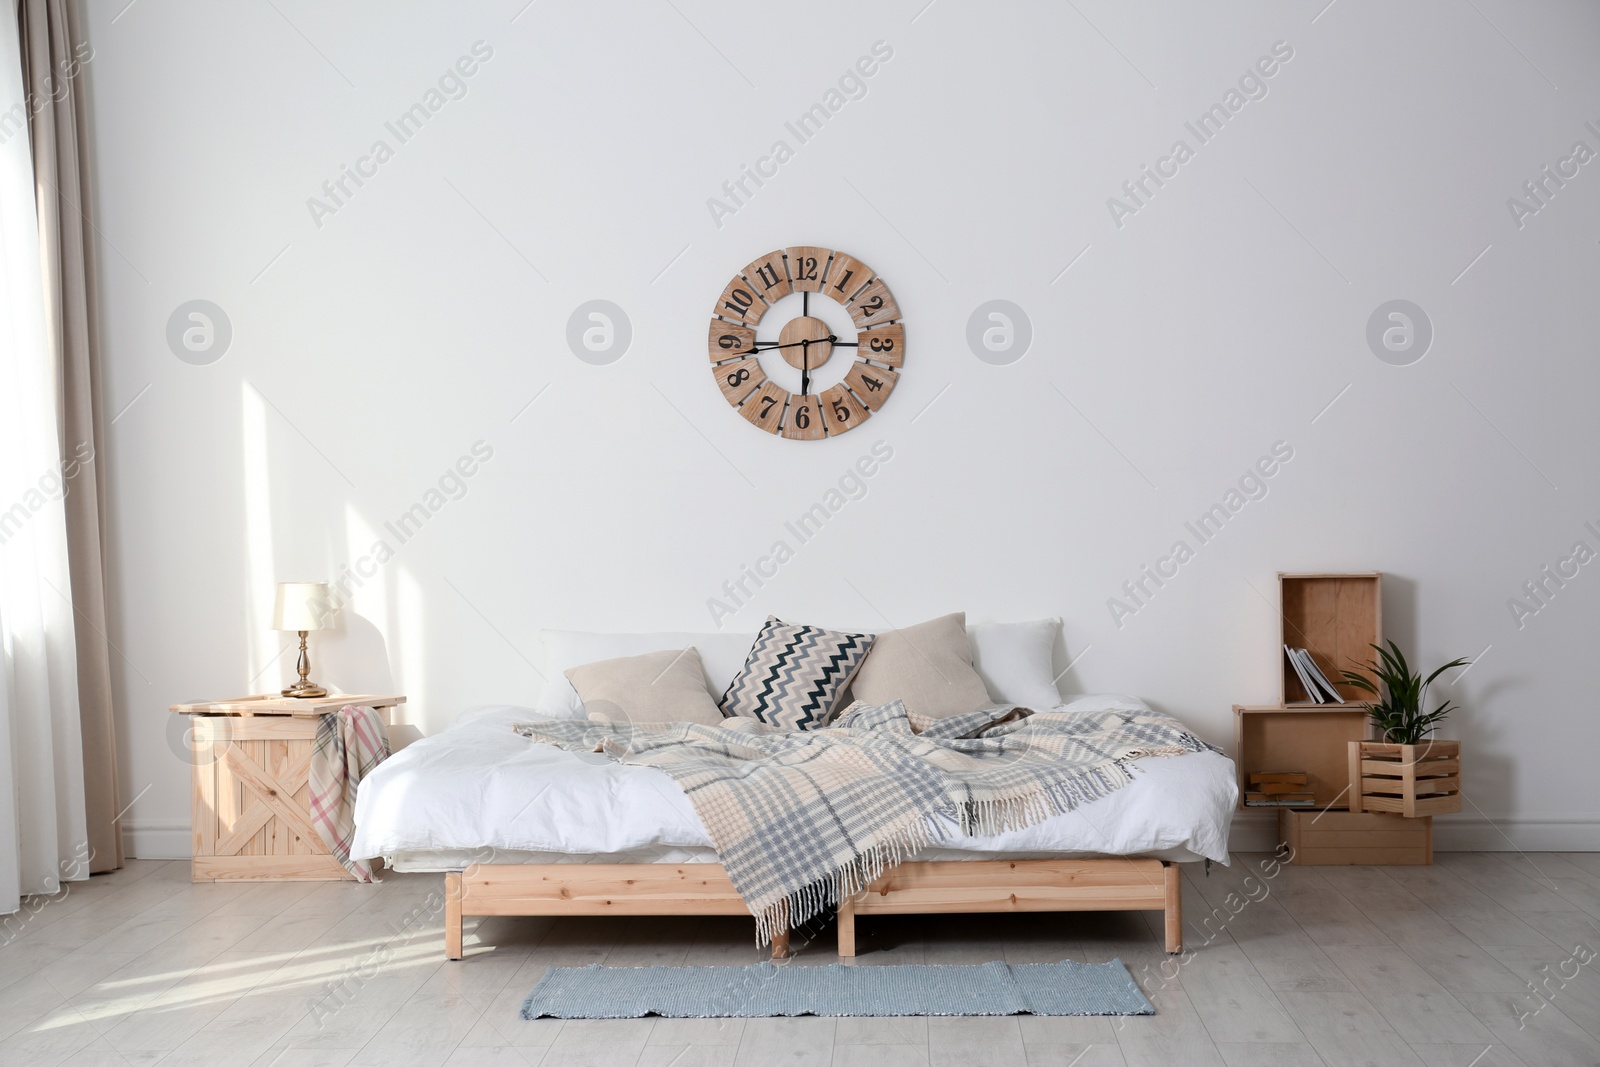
(303, 606)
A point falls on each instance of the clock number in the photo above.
(845, 275)
(739, 379)
(870, 383)
(726, 340)
(808, 267)
(769, 275)
(847, 411)
(739, 302)
(763, 406)
(806, 420)
(873, 304)
(885, 344)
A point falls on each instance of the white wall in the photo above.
(371, 351)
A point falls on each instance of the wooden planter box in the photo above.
(1409, 780)
(251, 759)
(1330, 838)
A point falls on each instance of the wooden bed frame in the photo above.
(1100, 884)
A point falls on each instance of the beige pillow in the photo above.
(927, 666)
(668, 686)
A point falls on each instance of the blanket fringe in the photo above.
(975, 818)
(997, 815)
(857, 873)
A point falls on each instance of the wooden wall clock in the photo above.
(807, 343)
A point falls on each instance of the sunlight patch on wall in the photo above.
(262, 643)
(368, 592)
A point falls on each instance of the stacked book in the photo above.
(1318, 689)
(1279, 789)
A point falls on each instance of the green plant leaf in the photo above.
(1398, 713)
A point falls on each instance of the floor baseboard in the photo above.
(157, 839)
(1257, 831)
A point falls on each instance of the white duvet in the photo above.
(479, 791)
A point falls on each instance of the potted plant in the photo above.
(1404, 771)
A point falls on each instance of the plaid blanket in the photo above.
(350, 742)
(803, 818)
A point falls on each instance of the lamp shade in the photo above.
(303, 606)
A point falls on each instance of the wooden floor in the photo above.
(1405, 965)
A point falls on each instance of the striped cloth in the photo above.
(801, 818)
(350, 742)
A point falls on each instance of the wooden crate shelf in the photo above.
(1337, 618)
(1336, 838)
(1408, 780)
(1312, 740)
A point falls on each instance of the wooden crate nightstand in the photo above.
(252, 760)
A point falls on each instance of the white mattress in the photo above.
(478, 792)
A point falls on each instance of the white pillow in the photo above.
(497, 713)
(1096, 702)
(721, 655)
(1016, 661)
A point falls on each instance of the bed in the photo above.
(518, 828)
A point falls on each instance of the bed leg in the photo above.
(847, 929)
(452, 915)
(780, 945)
(1174, 908)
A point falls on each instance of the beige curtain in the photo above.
(53, 54)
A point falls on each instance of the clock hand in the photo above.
(835, 342)
(805, 367)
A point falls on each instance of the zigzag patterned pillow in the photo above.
(794, 675)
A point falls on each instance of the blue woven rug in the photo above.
(765, 990)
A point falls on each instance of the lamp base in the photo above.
(305, 688)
